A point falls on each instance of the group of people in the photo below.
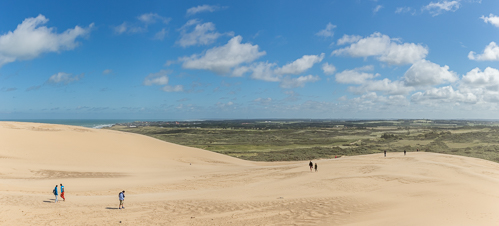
(417, 150)
(121, 196)
(56, 193)
(312, 166)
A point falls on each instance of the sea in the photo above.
(89, 123)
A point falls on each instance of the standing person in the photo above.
(385, 153)
(122, 200)
(417, 150)
(62, 193)
(404, 152)
(55, 193)
(311, 166)
(315, 167)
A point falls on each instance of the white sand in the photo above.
(168, 184)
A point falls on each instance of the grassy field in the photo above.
(294, 141)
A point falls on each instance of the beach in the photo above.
(169, 184)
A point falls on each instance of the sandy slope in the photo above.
(168, 184)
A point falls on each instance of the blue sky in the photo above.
(361, 59)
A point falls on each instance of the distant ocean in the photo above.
(89, 123)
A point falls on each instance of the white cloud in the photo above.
(443, 95)
(355, 76)
(222, 59)
(150, 18)
(386, 50)
(160, 35)
(203, 34)
(202, 8)
(264, 71)
(298, 82)
(386, 86)
(492, 19)
(491, 53)
(125, 27)
(300, 65)
(64, 78)
(377, 8)
(177, 88)
(488, 79)
(30, 39)
(328, 69)
(263, 101)
(426, 73)
(107, 71)
(404, 10)
(346, 39)
(159, 78)
(327, 32)
(437, 8)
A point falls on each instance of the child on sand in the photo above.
(385, 153)
(315, 167)
(55, 193)
(404, 152)
(62, 193)
(311, 165)
(122, 200)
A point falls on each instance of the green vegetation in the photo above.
(289, 140)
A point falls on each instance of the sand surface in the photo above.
(168, 184)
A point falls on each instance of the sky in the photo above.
(187, 60)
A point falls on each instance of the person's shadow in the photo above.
(52, 200)
(111, 208)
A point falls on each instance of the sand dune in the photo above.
(168, 184)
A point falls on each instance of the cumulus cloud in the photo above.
(385, 49)
(202, 8)
(288, 82)
(426, 73)
(263, 101)
(492, 19)
(386, 86)
(355, 76)
(177, 88)
(327, 32)
(203, 34)
(30, 39)
(300, 65)
(328, 69)
(160, 35)
(150, 18)
(445, 94)
(145, 19)
(404, 10)
(264, 71)
(490, 53)
(437, 8)
(222, 59)
(159, 78)
(64, 78)
(346, 39)
(489, 78)
(377, 8)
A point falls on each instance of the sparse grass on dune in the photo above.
(308, 142)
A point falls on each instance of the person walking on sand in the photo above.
(311, 166)
(55, 193)
(62, 193)
(122, 200)
(315, 167)
(404, 152)
(385, 153)
(417, 150)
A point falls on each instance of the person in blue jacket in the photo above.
(122, 200)
(55, 193)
